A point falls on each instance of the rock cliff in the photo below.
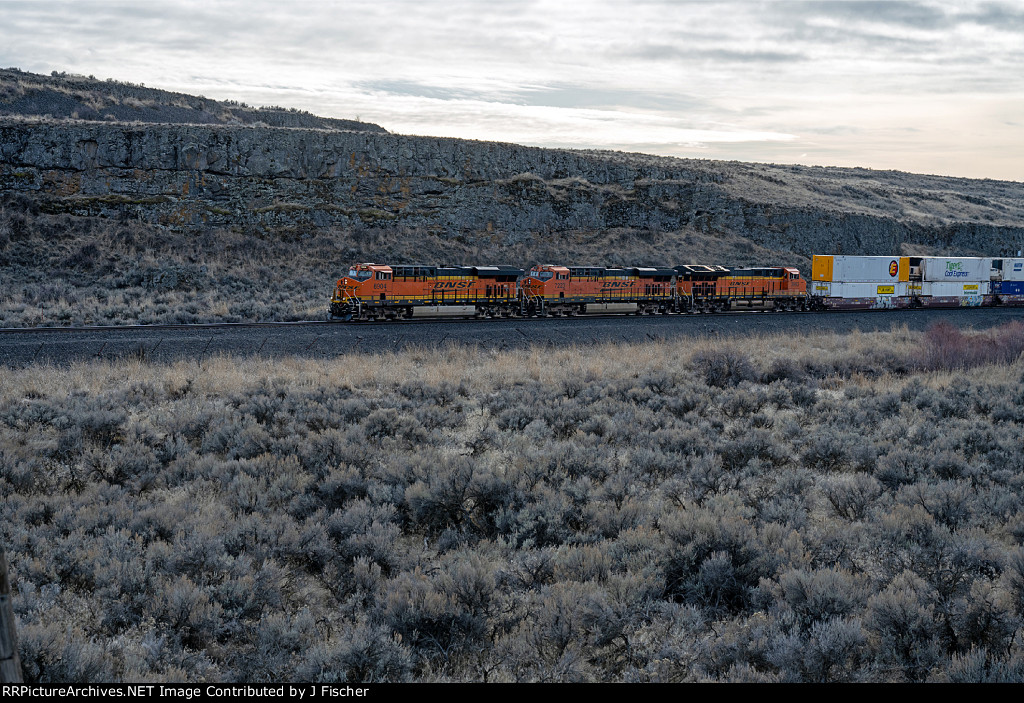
(272, 179)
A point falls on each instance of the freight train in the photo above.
(378, 291)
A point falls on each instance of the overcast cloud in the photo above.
(934, 87)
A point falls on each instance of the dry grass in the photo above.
(63, 270)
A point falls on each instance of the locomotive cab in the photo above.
(545, 281)
(364, 286)
(793, 282)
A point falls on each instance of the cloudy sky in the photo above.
(930, 87)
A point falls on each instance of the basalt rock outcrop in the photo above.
(285, 179)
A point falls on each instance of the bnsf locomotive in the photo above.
(374, 291)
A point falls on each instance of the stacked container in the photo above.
(1013, 269)
(861, 282)
(955, 281)
(1011, 290)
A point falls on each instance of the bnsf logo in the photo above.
(441, 285)
(616, 284)
(894, 267)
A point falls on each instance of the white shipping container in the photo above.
(1013, 269)
(941, 268)
(854, 269)
(860, 290)
(945, 289)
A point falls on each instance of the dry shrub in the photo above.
(601, 513)
(948, 348)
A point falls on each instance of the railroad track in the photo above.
(440, 320)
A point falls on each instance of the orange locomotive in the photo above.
(378, 291)
(714, 288)
(571, 290)
(375, 291)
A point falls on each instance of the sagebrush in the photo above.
(827, 508)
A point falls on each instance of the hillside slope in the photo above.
(68, 96)
(321, 194)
